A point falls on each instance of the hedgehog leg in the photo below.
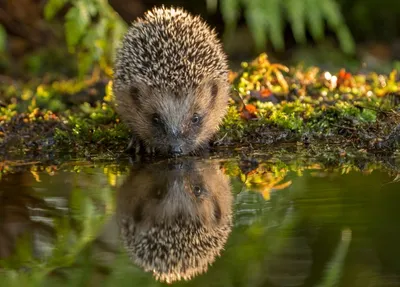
(142, 149)
(145, 150)
(137, 147)
(134, 146)
(131, 144)
(206, 149)
(149, 150)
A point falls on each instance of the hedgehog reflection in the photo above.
(175, 218)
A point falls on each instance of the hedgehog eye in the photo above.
(197, 191)
(156, 119)
(195, 119)
(214, 90)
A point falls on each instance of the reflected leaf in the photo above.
(35, 175)
(334, 269)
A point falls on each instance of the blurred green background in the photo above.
(38, 37)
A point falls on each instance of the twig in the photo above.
(221, 139)
(343, 127)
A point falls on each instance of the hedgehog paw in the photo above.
(133, 146)
(137, 147)
(150, 150)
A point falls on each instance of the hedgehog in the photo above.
(171, 82)
(174, 219)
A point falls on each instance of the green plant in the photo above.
(266, 18)
(3, 37)
(92, 30)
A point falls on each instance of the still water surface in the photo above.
(200, 223)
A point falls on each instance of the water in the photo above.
(221, 222)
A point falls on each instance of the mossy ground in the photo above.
(271, 104)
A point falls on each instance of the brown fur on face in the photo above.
(175, 219)
(171, 66)
(176, 112)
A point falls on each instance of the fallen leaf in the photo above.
(249, 112)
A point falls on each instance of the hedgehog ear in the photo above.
(137, 91)
(214, 89)
(134, 92)
(210, 85)
(137, 88)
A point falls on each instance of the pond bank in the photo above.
(271, 104)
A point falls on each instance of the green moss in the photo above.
(270, 103)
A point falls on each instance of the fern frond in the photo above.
(273, 15)
(257, 23)
(230, 13)
(52, 7)
(314, 18)
(296, 11)
(346, 40)
(3, 38)
(77, 20)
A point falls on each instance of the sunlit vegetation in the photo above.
(266, 20)
(270, 103)
(92, 41)
(359, 110)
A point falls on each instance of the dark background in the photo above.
(374, 25)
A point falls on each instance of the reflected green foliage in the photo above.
(56, 238)
(323, 210)
(334, 269)
(266, 20)
(92, 31)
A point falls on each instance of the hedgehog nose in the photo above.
(175, 150)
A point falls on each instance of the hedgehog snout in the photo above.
(175, 147)
(175, 150)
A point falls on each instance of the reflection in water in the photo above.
(289, 265)
(175, 217)
(14, 215)
(18, 207)
(334, 228)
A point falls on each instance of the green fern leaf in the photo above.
(331, 11)
(85, 62)
(346, 40)
(52, 7)
(92, 6)
(3, 38)
(314, 18)
(273, 17)
(229, 11)
(255, 20)
(97, 41)
(77, 20)
(335, 20)
(296, 16)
